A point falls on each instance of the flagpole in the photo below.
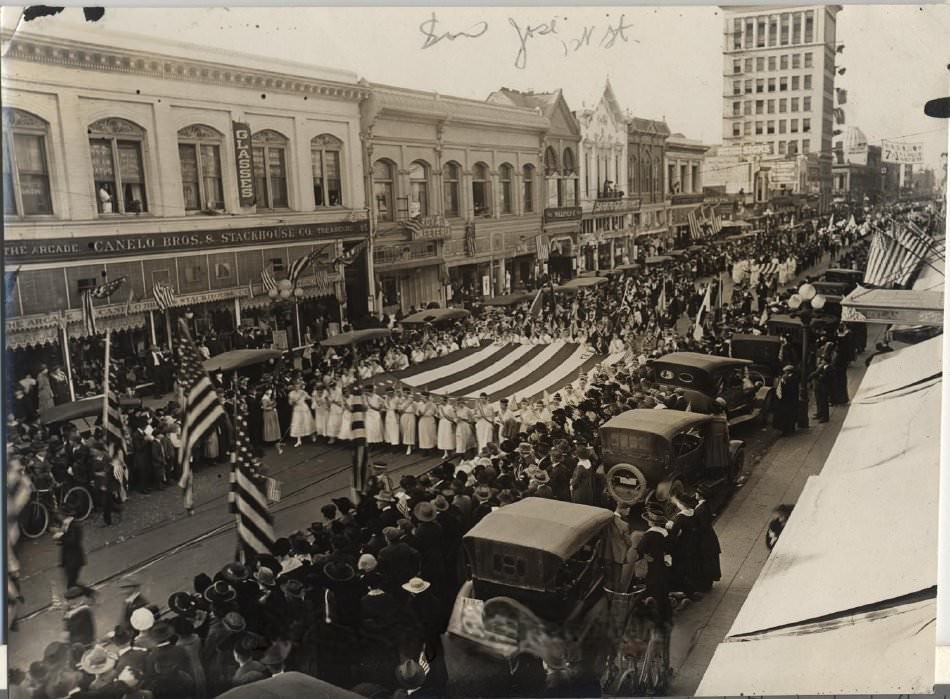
(151, 325)
(168, 326)
(66, 359)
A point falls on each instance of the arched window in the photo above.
(270, 169)
(527, 180)
(26, 188)
(481, 190)
(632, 176)
(199, 153)
(504, 173)
(568, 162)
(418, 189)
(383, 190)
(117, 166)
(657, 180)
(450, 188)
(327, 178)
(550, 162)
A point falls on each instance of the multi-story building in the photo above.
(684, 181)
(607, 232)
(160, 163)
(778, 81)
(646, 163)
(561, 183)
(858, 173)
(457, 194)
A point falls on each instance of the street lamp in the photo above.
(803, 305)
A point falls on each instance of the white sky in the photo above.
(897, 57)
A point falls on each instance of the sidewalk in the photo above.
(777, 479)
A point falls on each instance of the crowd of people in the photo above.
(361, 598)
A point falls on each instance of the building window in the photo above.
(749, 33)
(770, 126)
(781, 147)
(794, 105)
(527, 183)
(771, 145)
(793, 125)
(795, 82)
(384, 190)
(325, 153)
(481, 190)
(276, 264)
(808, 59)
(747, 129)
(748, 108)
(736, 130)
(736, 65)
(781, 125)
(748, 65)
(797, 28)
(793, 147)
(805, 145)
(760, 33)
(504, 174)
(450, 189)
(773, 30)
(269, 150)
(782, 105)
(806, 104)
(783, 61)
(796, 61)
(748, 87)
(771, 62)
(567, 185)
(809, 26)
(26, 187)
(759, 64)
(737, 33)
(771, 107)
(199, 152)
(737, 87)
(783, 84)
(759, 107)
(806, 125)
(783, 26)
(760, 85)
(758, 128)
(736, 111)
(807, 84)
(117, 167)
(771, 84)
(418, 189)
(550, 163)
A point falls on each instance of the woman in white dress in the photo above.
(486, 416)
(410, 406)
(345, 433)
(335, 414)
(446, 434)
(392, 417)
(301, 420)
(373, 407)
(464, 435)
(321, 409)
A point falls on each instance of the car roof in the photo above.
(665, 423)
(551, 526)
(746, 337)
(706, 362)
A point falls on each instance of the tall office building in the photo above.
(778, 82)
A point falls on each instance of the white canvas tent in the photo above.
(854, 574)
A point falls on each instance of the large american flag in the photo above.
(202, 407)
(895, 255)
(247, 498)
(301, 264)
(349, 256)
(114, 430)
(360, 457)
(102, 291)
(164, 295)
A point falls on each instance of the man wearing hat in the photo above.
(428, 541)
(398, 560)
(133, 600)
(786, 403)
(78, 620)
(248, 650)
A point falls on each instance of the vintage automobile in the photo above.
(829, 288)
(761, 350)
(648, 449)
(704, 377)
(851, 277)
(792, 328)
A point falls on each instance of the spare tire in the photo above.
(627, 484)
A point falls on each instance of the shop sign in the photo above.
(430, 227)
(244, 163)
(621, 205)
(96, 247)
(563, 213)
(682, 199)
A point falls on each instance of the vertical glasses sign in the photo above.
(244, 163)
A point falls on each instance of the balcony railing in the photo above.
(408, 251)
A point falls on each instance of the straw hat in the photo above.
(416, 586)
(96, 661)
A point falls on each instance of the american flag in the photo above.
(267, 279)
(301, 264)
(164, 295)
(695, 232)
(349, 256)
(113, 428)
(323, 284)
(103, 291)
(895, 255)
(414, 225)
(360, 456)
(544, 248)
(247, 497)
(201, 408)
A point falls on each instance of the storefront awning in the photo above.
(889, 306)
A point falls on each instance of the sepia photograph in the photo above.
(479, 351)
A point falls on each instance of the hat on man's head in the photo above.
(424, 511)
(235, 572)
(182, 604)
(96, 661)
(219, 592)
(234, 622)
(367, 563)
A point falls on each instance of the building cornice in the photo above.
(103, 59)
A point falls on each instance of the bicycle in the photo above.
(49, 495)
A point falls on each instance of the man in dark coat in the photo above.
(398, 560)
(72, 555)
(141, 469)
(786, 400)
(78, 620)
(156, 449)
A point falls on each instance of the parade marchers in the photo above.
(361, 599)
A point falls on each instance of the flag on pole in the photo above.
(113, 428)
(695, 232)
(704, 309)
(537, 304)
(414, 226)
(268, 281)
(360, 456)
(201, 408)
(247, 497)
(301, 264)
(164, 295)
(103, 291)
(543, 247)
(349, 256)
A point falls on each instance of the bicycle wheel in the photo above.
(34, 519)
(80, 502)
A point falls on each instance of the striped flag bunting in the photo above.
(301, 264)
(164, 295)
(767, 269)
(201, 407)
(349, 256)
(113, 428)
(502, 370)
(360, 456)
(695, 231)
(103, 291)
(895, 255)
(247, 497)
(414, 226)
(267, 279)
(543, 248)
